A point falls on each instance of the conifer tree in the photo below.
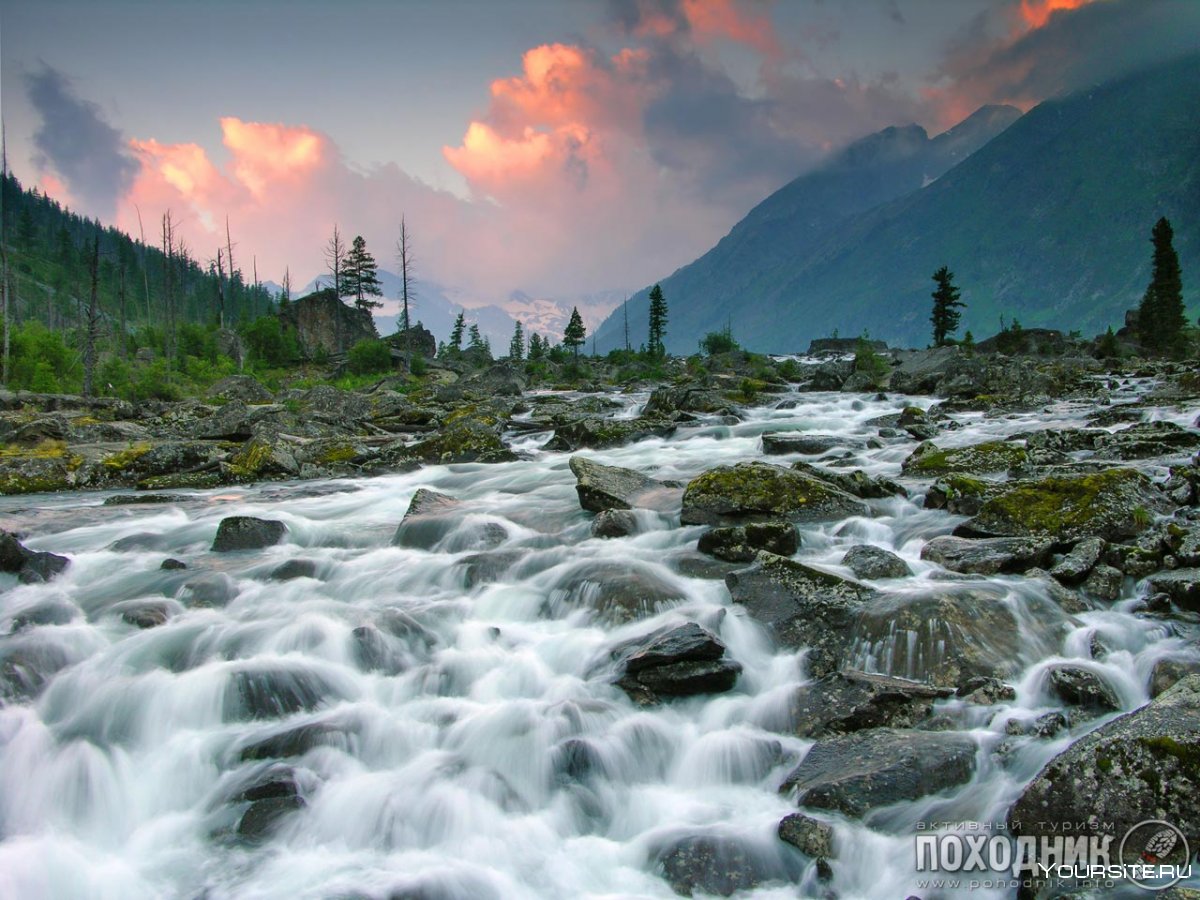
(360, 276)
(456, 333)
(945, 306)
(575, 332)
(537, 347)
(1161, 319)
(658, 322)
(475, 340)
(516, 347)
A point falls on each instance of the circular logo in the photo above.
(1159, 851)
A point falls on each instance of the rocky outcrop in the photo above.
(1143, 765)
(324, 324)
(247, 533)
(418, 340)
(758, 492)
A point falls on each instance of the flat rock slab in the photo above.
(987, 556)
(603, 487)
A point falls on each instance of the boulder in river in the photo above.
(739, 543)
(603, 487)
(615, 591)
(599, 433)
(1181, 585)
(802, 607)
(806, 444)
(757, 492)
(1075, 566)
(871, 562)
(721, 865)
(1142, 765)
(849, 701)
(987, 556)
(857, 773)
(1114, 504)
(675, 662)
(613, 523)
(1082, 687)
(929, 460)
(247, 533)
(30, 566)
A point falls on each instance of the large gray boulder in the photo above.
(802, 607)
(857, 773)
(758, 492)
(603, 487)
(987, 556)
(1143, 765)
(850, 701)
(675, 662)
(247, 533)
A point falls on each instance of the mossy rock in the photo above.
(261, 459)
(1115, 504)
(962, 495)
(466, 440)
(990, 456)
(36, 475)
(760, 492)
(197, 480)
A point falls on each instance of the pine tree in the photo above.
(456, 333)
(575, 332)
(474, 338)
(360, 276)
(537, 348)
(945, 306)
(516, 347)
(1161, 319)
(658, 322)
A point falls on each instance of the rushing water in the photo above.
(439, 771)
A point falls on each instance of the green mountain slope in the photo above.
(1048, 222)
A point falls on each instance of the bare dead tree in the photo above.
(145, 270)
(92, 321)
(335, 258)
(168, 249)
(404, 261)
(220, 290)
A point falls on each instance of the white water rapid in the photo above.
(465, 739)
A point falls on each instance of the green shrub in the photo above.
(718, 342)
(370, 357)
(417, 365)
(869, 363)
(789, 370)
(269, 343)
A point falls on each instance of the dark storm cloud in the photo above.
(78, 144)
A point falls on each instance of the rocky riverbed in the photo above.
(701, 638)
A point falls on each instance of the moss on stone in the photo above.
(338, 454)
(250, 461)
(47, 449)
(990, 456)
(758, 490)
(178, 480)
(118, 462)
(1061, 505)
(1163, 747)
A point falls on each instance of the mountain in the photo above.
(1048, 222)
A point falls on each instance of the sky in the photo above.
(555, 147)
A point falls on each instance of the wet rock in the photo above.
(802, 607)
(598, 434)
(373, 651)
(850, 701)
(1104, 582)
(1114, 504)
(27, 665)
(1081, 687)
(46, 612)
(855, 482)
(482, 568)
(929, 460)
(808, 835)
(870, 562)
(465, 439)
(211, 592)
(1171, 670)
(1069, 601)
(431, 516)
(148, 613)
(271, 800)
(247, 533)
(1145, 440)
(739, 543)
(265, 691)
(985, 691)
(962, 495)
(756, 492)
(172, 565)
(807, 444)
(675, 662)
(1142, 765)
(615, 591)
(670, 399)
(294, 568)
(30, 566)
(296, 740)
(949, 636)
(610, 487)
(710, 864)
(1181, 585)
(1075, 566)
(986, 556)
(857, 773)
(614, 523)
(146, 498)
